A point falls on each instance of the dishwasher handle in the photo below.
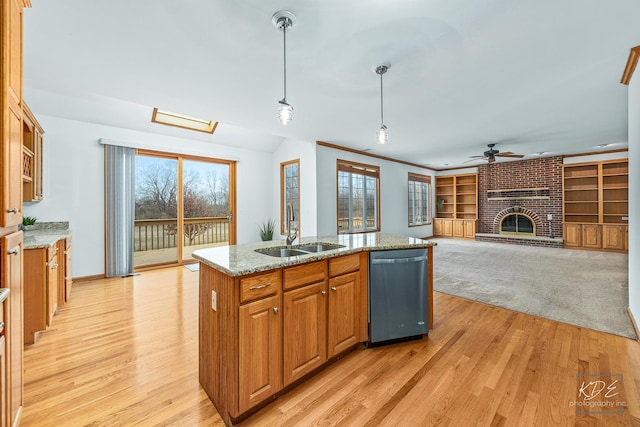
(397, 260)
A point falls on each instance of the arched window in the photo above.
(517, 223)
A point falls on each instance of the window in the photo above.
(290, 193)
(419, 199)
(182, 121)
(358, 200)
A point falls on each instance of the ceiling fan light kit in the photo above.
(283, 21)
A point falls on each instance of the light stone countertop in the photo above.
(45, 234)
(239, 260)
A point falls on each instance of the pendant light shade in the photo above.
(284, 20)
(382, 135)
(285, 112)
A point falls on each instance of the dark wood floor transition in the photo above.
(124, 351)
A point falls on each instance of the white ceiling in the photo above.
(531, 76)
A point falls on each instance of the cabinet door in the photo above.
(11, 101)
(12, 278)
(613, 236)
(68, 279)
(470, 229)
(591, 236)
(437, 227)
(3, 382)
(344, 303)
(260, 352)
(305, 330)
(52, 288)
(458, 228)
(573, 235)
(447, 227)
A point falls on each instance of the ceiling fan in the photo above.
(491, 154)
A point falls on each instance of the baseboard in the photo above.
(88, 278)
(633, 322)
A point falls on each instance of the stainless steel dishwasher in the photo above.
(398, 292)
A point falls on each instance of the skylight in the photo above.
(182, 121)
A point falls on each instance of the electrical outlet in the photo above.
(214, 301)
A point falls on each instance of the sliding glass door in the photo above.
(182, 204)
(155, 231)
(206, 205)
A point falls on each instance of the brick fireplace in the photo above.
(531, 189)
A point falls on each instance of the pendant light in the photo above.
(284, 20)
(382, 135)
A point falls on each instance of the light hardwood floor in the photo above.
(124, 352)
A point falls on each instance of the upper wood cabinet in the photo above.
(11, 101)
(31, 157)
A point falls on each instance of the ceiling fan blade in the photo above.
(508, 154)
(475, 159)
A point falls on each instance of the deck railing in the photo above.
(152, 234)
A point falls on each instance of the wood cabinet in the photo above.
(596, 204)
(31, 157)
(615, 237)
(260, 351)
(457, 203)
(290, 322)
(12, 267)
(44, 286)
(343, 325)
(11, 101)
(305, 320)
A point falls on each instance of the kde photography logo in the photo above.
(599, 394)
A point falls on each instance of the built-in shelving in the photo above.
(456, 205)
(596, 194)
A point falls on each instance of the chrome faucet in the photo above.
(290, 217)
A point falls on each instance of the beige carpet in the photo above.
(583, 288)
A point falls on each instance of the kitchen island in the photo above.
(268, 322)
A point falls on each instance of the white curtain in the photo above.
(120, 208)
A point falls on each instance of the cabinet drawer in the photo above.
(256, 287)
(305, 274)
(344, 264)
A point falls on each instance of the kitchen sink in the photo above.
(281, 252)
(304, 249)
(319, 247)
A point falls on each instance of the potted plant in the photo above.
(266, 230)
(27, 222)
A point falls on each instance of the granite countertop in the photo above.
(45, 234)
(238, 260)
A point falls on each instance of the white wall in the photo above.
(305, 151)
(634, 196)
(393, 192)
(74, 183)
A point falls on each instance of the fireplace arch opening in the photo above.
(518, 223)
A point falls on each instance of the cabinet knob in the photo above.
(333, 288)
(14, 251)
(12, 210)
(275, 309)
(54, 266)
(323, 292)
